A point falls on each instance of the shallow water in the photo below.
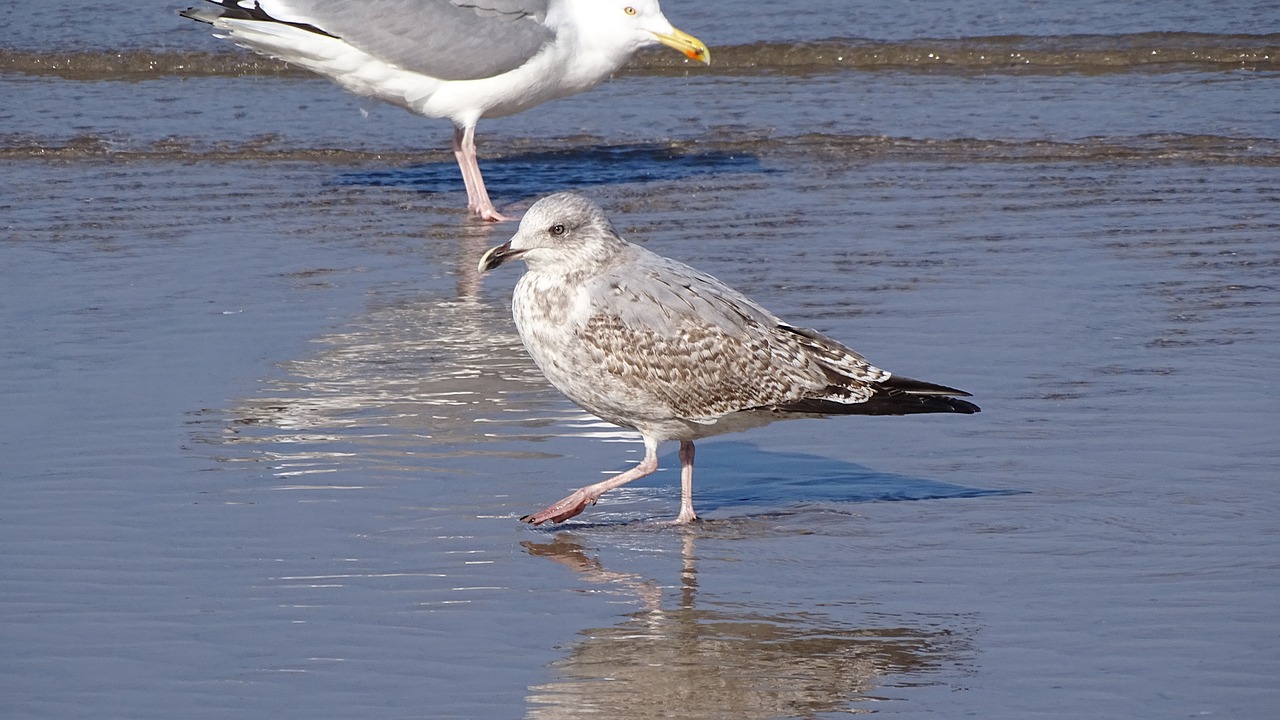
(267, 434)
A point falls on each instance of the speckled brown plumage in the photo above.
(649, 343)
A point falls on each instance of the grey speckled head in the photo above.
(563, 230)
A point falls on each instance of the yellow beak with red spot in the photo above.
(690, 46)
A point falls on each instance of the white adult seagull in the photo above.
(456, 59)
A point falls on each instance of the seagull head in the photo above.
(565, 229)
(628, 25)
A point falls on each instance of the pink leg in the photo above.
(584, 497)
(687, 515)
(464, 149)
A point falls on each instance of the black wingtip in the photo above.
(230, 10)
(889, 403)
(919, 387)
(895, 396)
(956, 405)
(905, 396)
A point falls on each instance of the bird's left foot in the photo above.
(563, 510)
(685, 518)
(489, 213)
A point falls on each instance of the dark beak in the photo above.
(495, 256)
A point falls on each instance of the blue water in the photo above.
(267, 434)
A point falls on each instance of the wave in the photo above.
(726, 143)
(1090, 54)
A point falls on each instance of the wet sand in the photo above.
(267, 434)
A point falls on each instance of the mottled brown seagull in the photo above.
(457, 59)
(651, 344)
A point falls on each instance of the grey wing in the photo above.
(705, 350)
(727, 308)
(665, 290)
(446, 39)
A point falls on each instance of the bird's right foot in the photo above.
(563, 510)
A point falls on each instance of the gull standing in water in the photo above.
(651, 344)
(456, 59)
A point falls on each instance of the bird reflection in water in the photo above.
(428, 378)
(705, 662)
(413, 376)
(472, 240)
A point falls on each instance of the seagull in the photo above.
(456, 59)
(651, 344)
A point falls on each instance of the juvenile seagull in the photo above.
(456, 59)
(651, 344)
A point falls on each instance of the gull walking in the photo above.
(651, 344)
(456, 59)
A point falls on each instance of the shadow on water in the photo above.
(736, 481)
(740, 475)
(540, 173)
(695, 658)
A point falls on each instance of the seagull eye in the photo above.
(629, 10)
(557, 229)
